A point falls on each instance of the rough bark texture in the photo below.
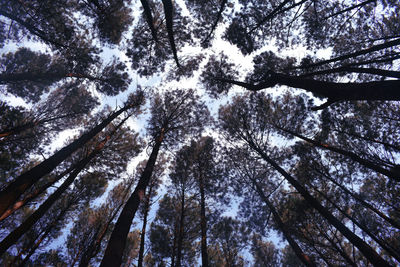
(203, 224)
(116, 244)
(364, 248)
(169, 13)
(149, 18)
(143, 233)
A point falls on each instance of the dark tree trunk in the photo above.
(353, 55)
(349, 9)
(173, 254)
(281, 225)
(381, 243)
(15, 189)
(378, 90)
(383, 73)
(169, 14)
(362, 201)
(143, 233)
(149, 18)
(219, 15)
(13, 237)
(364, 248)
(21, 203)
(181, 229)
(203, 223)
(116, 244)
(32, 29)
(353, 156)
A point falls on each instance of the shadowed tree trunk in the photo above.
(349, 9)
(116, 244)
(203, 223)
(15, 189)
(143, 233)
(353, 156)
(169, 14)
(149, 18)
(181, 229)
(281, 225)
(380, 72)
(364, 248)
(219, 15)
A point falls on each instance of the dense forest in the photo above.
(199, 133)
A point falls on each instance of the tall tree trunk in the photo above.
(169, 15)
(181, 229)
(173, 254)
(149, 18)
(377, 90)
(380, 72)
(353, 55)
(366, 163)
(350, 8)
(203, 223)
(219, 15)
(361, 201)
(13, 237)
(31, 196)
(305, 259)
(381, 243)
(364, 248)
(116, 244)
(15, 189)
(143, 233)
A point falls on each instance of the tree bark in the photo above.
(203, 223)
(15, 189)
(377, 90)
(181, 229)
(168, 11)
(349, 9)
(143, 233)
(353, 156)
(116, 244)
(149, 18)
(364, 248)
(305, 259)
(380, 72)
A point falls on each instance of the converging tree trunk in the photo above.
(143, 233)
(169, 15)
(116, 243)
(203, 223)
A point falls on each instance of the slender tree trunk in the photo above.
(361, 201)
(15, 235)
(353, 156)
(353, 55)
(350, 8)
(219, 15)
(15, 189)
(380, 72)
(305, 259)
(173, 254)
(116, 244)
(203, 223)
(377, 90)
(31, 28)
(181, 229)
(149, 18)
(381, 243)
(21, 203)
(169, 14)
(364, 248)
(143, 233)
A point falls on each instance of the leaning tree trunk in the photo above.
(364, 248)
(352, 155)
(116, 244)
(203, 223)
(169, 14)
(15, 189)
(149, 18)
(219, 15)
(143, 233)
(305, 259)
(181, 229)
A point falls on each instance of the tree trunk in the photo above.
(353, 156)
(15, 189)
(380, 72)
(149, 18)
(169, 14)
(353, 55)
(143, 233)
(181, 229)
(364, 248)
(21, 203)
(377, 90)
(363, 202)
(116, 244)
(203, 223)
(219, 15)
(281, 225)
(349, 9)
